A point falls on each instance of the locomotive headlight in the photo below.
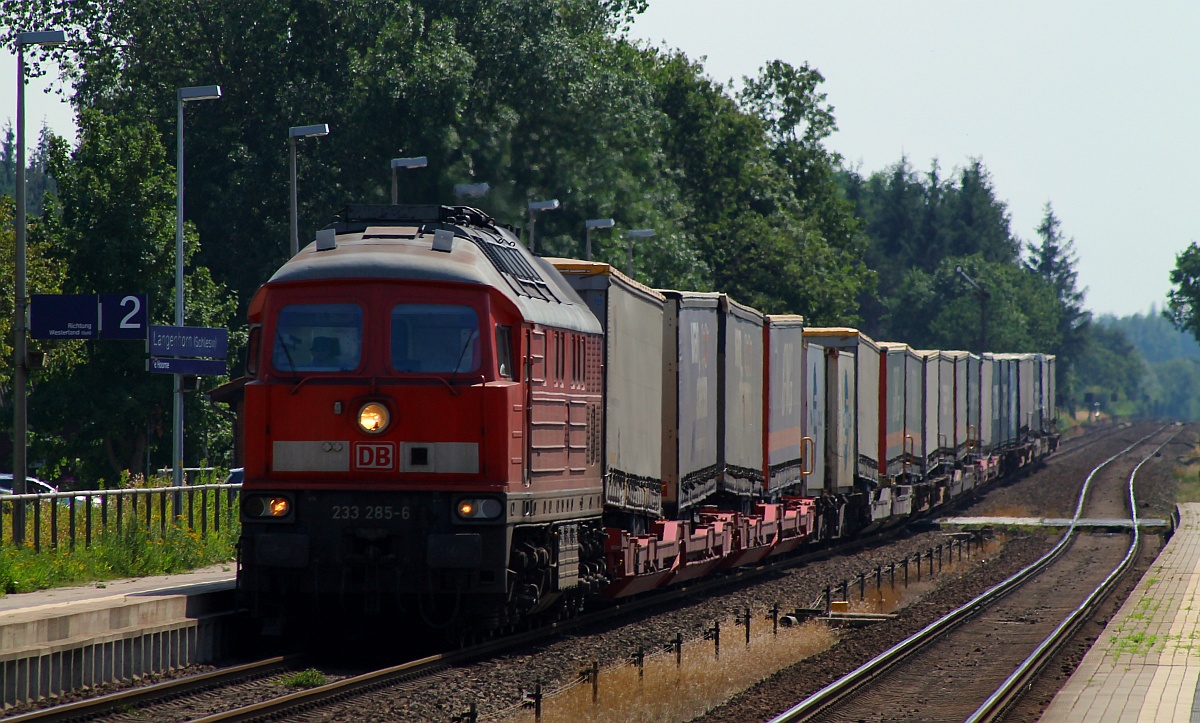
(479, 509)
(264, 507)
(373, 418)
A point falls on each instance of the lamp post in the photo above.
(417, 162)
(20, 300)
(588, 225)
(630, 236)
(185, 95)
(295, 132)
(534, 208)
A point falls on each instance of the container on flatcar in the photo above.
(1026, 378)
(962, 425)
(946, 405)
(1050, 401)
(930, 450)
(632, 316)
(740, 402)
(864, 391)
(914, 412)
(691, 382)
(893, 429)
(785, 444)
(815, 409)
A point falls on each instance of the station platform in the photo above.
(1145, 667)
(62, 639)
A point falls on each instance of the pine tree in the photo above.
(1054, 260)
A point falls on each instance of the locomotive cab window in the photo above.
(504, 352)
(435, 338)
(318, 338)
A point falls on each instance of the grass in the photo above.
(1187, 479)
(129, 552)
(309, 678)
(141, 541)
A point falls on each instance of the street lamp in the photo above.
(20, 301)
(418, 162)
(295, 132)
(534, 208)
(588, 225)
(185, 95)
(472, 190)
(630, 236)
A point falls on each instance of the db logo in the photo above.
(375, 455)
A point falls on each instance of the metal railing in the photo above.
(68, 518)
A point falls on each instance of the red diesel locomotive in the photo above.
(421, 426)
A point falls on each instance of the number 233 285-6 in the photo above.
(369, 512)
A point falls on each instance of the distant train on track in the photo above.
(439, 424)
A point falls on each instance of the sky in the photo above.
(1091, 105)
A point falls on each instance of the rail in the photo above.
(134, 699)
(54, 519)
(1007, 693)
(873, 668)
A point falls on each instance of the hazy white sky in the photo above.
(1089, 104)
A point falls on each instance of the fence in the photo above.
(71, 518)
(902, 572)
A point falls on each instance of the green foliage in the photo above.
(126, 550)
(915, 223)
(1154, 336)
(1183, 301)
(763, 213)
(1110, 365)
(307, 678)
(43, 276)
(113, 231)
(937, 311)
(38, 183)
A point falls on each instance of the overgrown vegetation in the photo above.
(131, 551)
(307, 678)
(137, 534)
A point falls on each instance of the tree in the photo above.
(1183, 301)
(1053, 259)
(113, 231)
(765, 244)
(913, 222)
(537, 98)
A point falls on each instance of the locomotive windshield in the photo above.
(318, 338)
(435, 338)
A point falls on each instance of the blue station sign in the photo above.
(195, 350)
(189, 341)
(87, 316)
(197, 367)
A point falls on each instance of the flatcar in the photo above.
(439, 424)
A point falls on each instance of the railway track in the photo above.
(278, 700)
(131, 700)
(1009, 630)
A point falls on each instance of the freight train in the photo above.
(441, 425)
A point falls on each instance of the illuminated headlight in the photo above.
(264, 507)
(373, 418)
(479, 509)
